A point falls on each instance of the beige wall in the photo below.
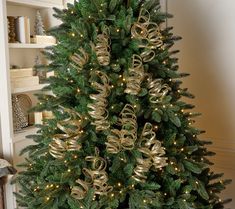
(208, 53)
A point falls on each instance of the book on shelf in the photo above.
(19, 73)
(37, 39)
(23, 29)
(22, 82)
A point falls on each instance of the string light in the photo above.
(73, 34)
(119, 184)
(118, 30)
(69, 170)
(47, 198)
(78, 90)
(112, 195)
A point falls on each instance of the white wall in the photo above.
(207, 52)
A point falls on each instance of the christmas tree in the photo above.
(121, 135)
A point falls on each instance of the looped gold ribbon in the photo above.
(157, 90)
(148, 34)
(152, 152)
(126, 137)
(136, 76)
(61, 143)
(79, 191)
(102, 47)
(96, 177)
(80, 59)
(98, 108)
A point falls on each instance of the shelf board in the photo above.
(28, 88)
(28, 46)
(35, 3)
(21, 135)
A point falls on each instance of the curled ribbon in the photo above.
(148, 34)
(136, 76)
(80, 59)
(152, 152)
(61, 143)
(102, 47)
(80, 190)
(96, 177)
(157, 90)
(126, 137)
(98, 108)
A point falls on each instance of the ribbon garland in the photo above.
(136, 76)
(98, 108)
(80, 59)
(96, 177)
(148, 34)
(61, 143)
(157, 90)
(126, 137)
(149, 37)
(102, 47)
(152, 152)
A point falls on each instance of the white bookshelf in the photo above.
(21, 55)
(28, 46)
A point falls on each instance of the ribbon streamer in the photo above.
(96, 177)
(98, 108)
(126, 137)
(102, 47)
(157, 90)
(136, 76)
(79, 192)
(61, 143)
(152, 152)
(80, 59)
(148, 34)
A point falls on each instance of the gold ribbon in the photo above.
(61, 143)
(98, 108)
(96, 177)
(148, 34)
(126, 137)
(152, 152)
(136, 76)
(80, 59)
(102, 47)
(157, 90)
(80, 190)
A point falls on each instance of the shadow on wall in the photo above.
(207, 53)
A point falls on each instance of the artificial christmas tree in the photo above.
(121, 135)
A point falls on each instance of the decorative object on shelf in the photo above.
(39, 71)
(11, 29)
(39, 26)
(19, 119)
(25, 104)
